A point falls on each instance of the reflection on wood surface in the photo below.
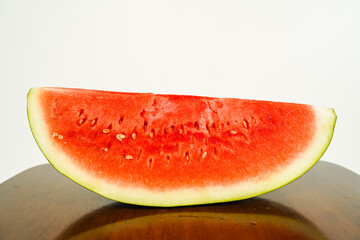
(255, 218)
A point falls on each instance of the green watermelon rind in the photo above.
(326, 119)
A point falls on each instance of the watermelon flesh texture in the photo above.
(172, 150)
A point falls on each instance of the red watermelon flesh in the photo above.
(170, 150)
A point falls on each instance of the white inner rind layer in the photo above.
(325, 123)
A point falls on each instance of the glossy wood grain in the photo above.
(40, 203)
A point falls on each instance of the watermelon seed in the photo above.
(246, 124)
(253, 119)
(149, 162)
(55, 134)
(106, 131)
(145, 125)
(196, 125)
(81, 112)
(120, 136)
(128, 157)
(187, 157)
(167, 160)
(182, 128)
(152, 134)
(60, 137)
(233, 132)
(228, 123)
(121, 161)
(172, 128)
(83, 120)
(106, 149)
(207, 127)
(204, 155)
(121, 120)
(222, 126)
(139, 154)
(93, 122)
(133, 136)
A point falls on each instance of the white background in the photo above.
(296, 51)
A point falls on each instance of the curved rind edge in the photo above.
(326, 119)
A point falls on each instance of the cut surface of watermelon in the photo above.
(172, 150)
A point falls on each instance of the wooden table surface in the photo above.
(40, 203)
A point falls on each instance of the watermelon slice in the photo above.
(172, 150)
